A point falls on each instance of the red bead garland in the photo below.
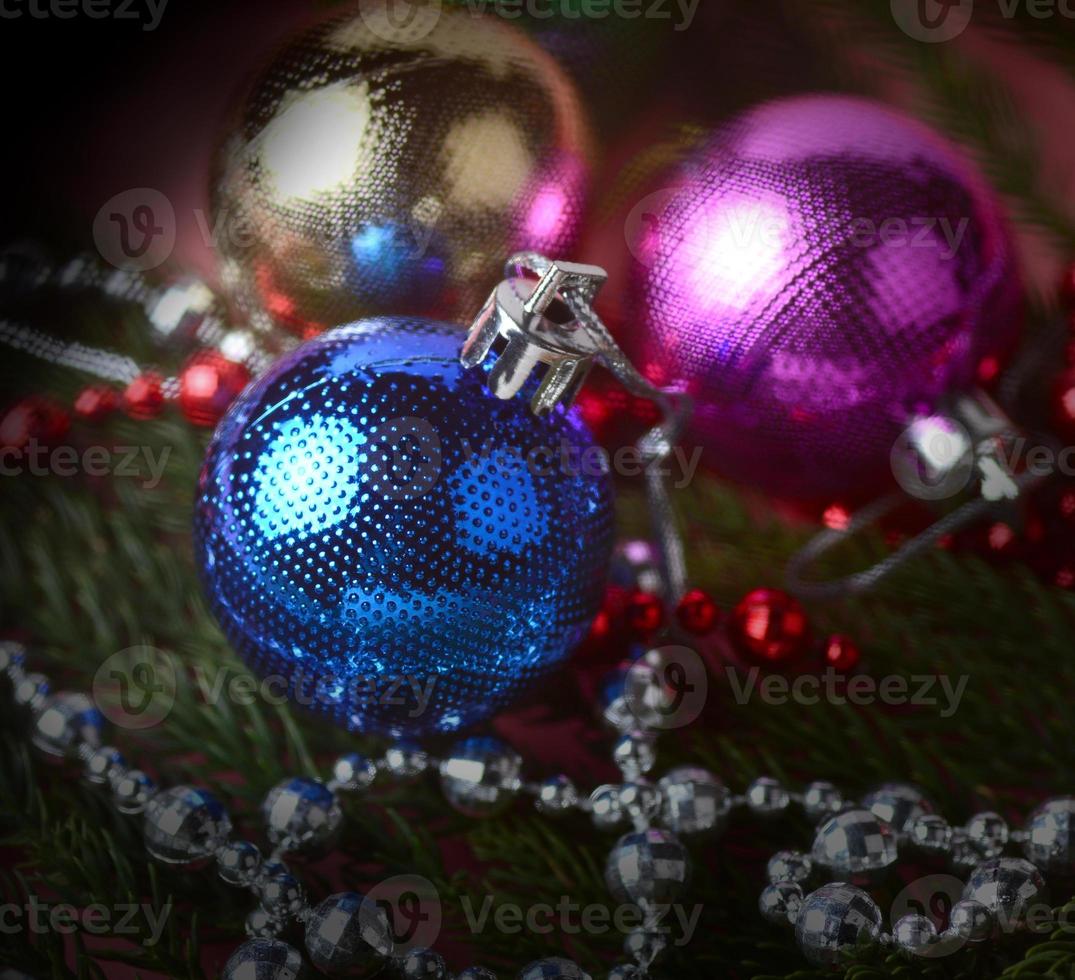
(144, 396)
(33, 420)
(842, 653)
(644, 613)
(697, 613)
(769, 625)
(96, 403)
(208, 384)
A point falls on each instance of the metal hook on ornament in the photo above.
(969, 443)
(548, 317)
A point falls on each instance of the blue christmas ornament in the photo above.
(390, 544)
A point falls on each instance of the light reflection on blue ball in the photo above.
(372, 528)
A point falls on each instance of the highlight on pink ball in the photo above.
(818, 271)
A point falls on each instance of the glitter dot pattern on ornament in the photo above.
(381, 171)
(776, 287)
(367, 513)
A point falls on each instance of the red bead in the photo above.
(697, 613)
(208, 384)
(644, 613)
(96, 403)
(842, 653)
(769, 625)
(33, 419)
(1063, 406)
(988, 370)
(836, 517)
(144, 397)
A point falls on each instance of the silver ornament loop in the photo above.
(522, 316)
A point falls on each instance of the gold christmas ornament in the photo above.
(380, 166)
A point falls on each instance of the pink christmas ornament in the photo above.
(818, 272)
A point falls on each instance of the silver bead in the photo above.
(626, 971)
(1050, 836)
(406, 760)
(12, 658)
(854, 842)
(184, 824)
(65, 721)
(553, 968)
(347, 935)
(1008, 887)
(132, 790)
(931, 833)
(898, 804)
(606, 809)
(780, 902)
(476, 973)
(766, 797)
(300, 814)
(635, 754)
(280, 895)
(914, 933)
(264, 959)
(102, 764)
(834, 919)
(962, 854)
(988, 833)
(423, 964)
(480, 777)
(31, 690)
(641, 802)
(638, 696)
(353, 772)
(821, 799)
(557, 795)
(645, 946)
(694, 801)
(647, 868)
(261, 925)
(970, 921)
(789, 866)
(238, 861)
